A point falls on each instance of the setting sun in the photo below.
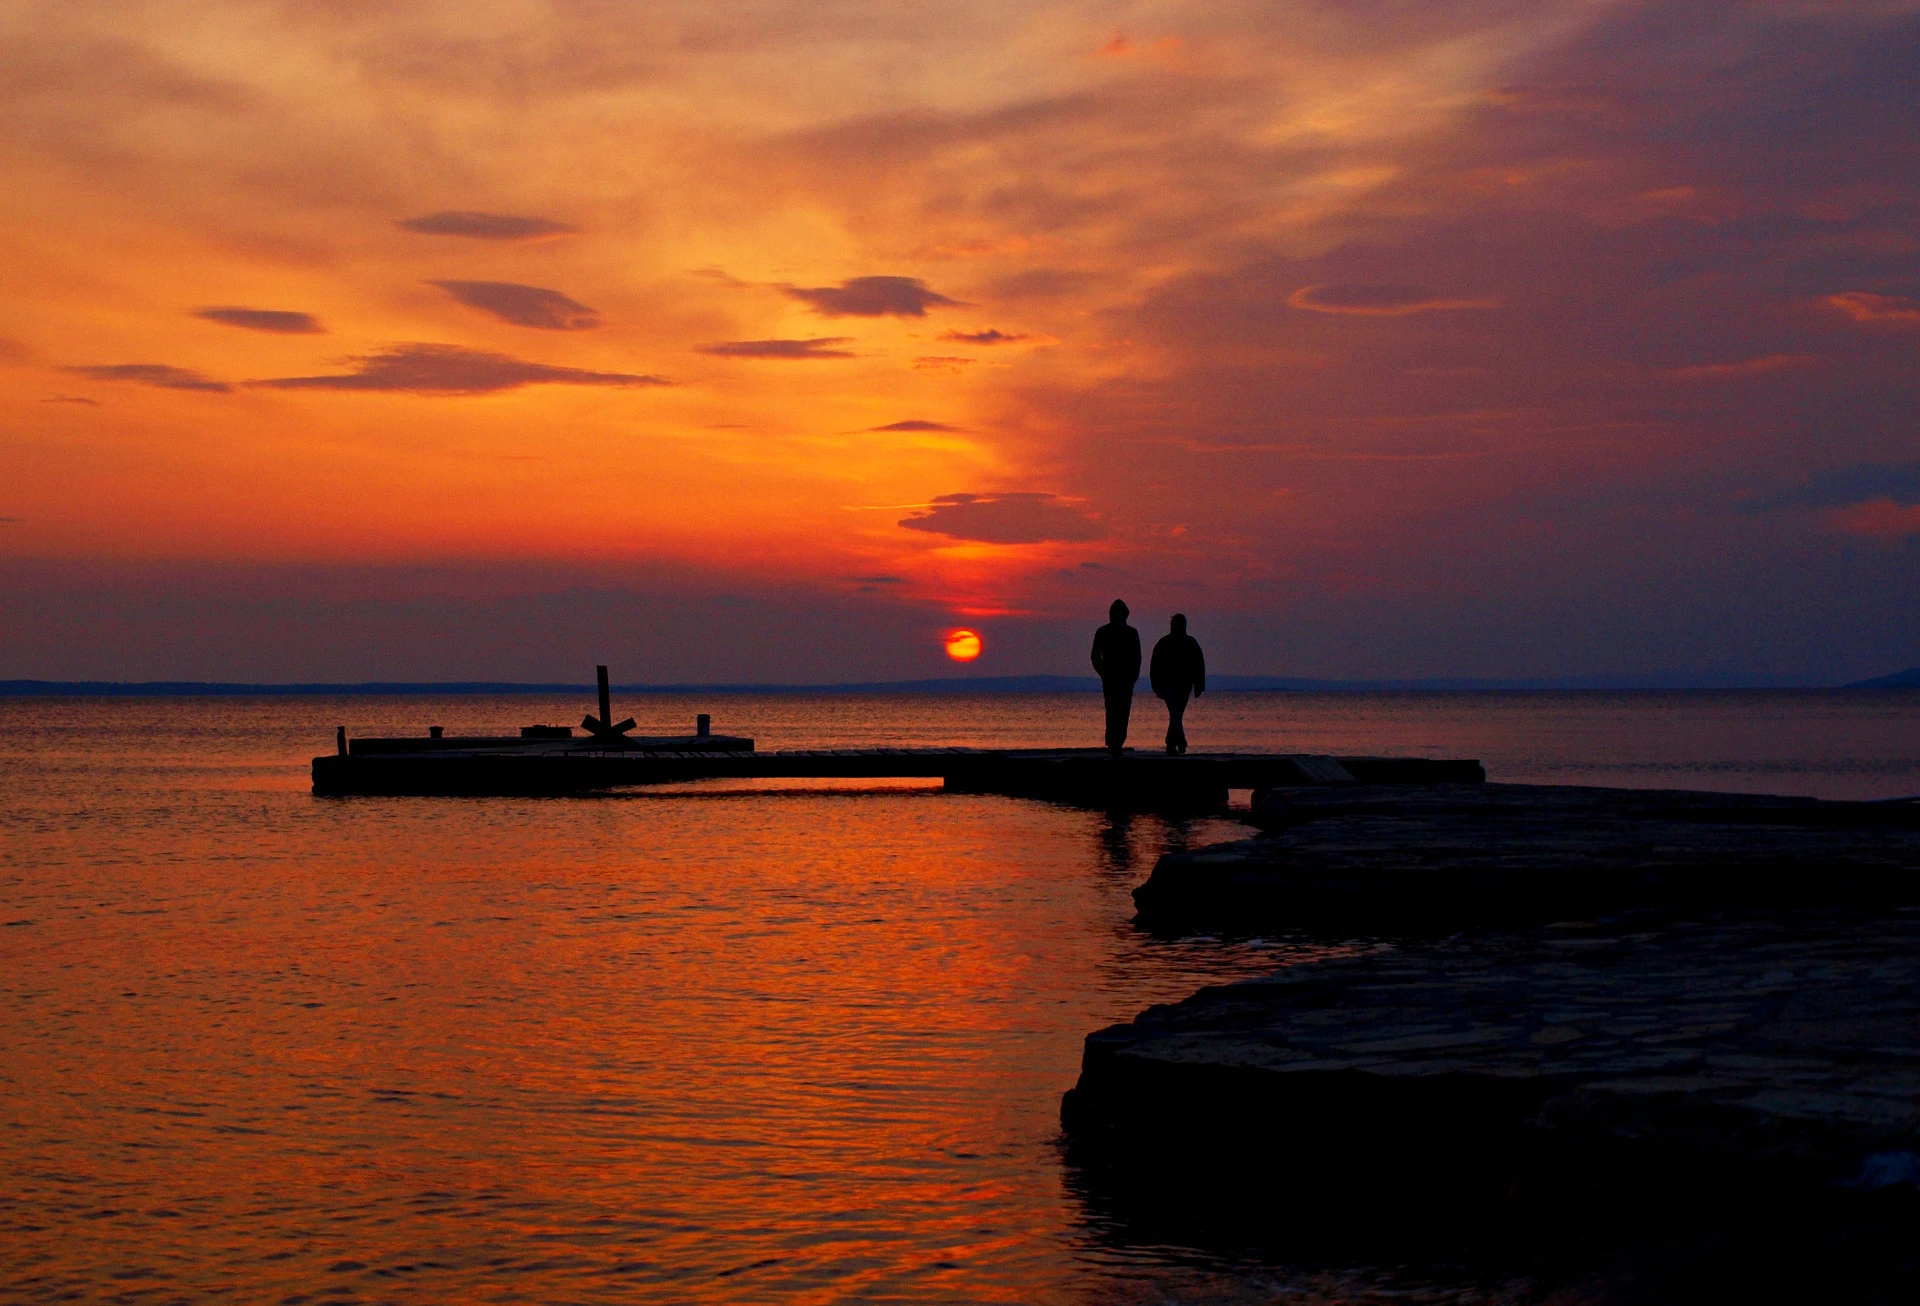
(963, 645)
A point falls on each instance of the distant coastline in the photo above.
(1909, 679)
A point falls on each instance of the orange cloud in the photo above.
(1895, 311)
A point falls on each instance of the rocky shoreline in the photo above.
(1445, 856)
(1671, 1040)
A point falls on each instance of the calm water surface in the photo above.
(707, 1043)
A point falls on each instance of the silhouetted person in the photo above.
(1178, 669)
(1116, 657)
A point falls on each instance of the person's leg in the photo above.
(1119, 708)
(1177, 724)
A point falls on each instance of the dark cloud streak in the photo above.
(870, 297)
(274, 321)
(484, 226)
(1363, 300)
(159, 375)
(817, 347)
(527, 306)
(1018, 518)
(428, 369)
(991, 336)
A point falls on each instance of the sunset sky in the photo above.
(744, 340)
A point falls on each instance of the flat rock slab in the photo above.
(1783, 1051)
(1393, 857)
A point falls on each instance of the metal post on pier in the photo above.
(702, 725)
(603, 727)
(340, 739)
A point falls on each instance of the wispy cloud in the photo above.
(71, 399)
(428, 369)
(990, 336)
(280, 322)
(1362, 300)
(485, 226)
(159, 375)
(942, 363)
(527, 306)
(1020, 518)
(916, 424)
(1744, 368)
(1897, 311)
(817, 347)
(870, 297)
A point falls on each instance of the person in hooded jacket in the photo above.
(1116, 658)
(1178, 669)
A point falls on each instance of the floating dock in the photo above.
(546, 764)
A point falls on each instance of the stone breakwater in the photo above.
(1762, 1072)
(1448, 855)
(1783, 1044)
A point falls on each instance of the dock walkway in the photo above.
(502, 766)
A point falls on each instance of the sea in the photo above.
(709, 1042)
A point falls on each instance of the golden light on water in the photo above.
(963, 645)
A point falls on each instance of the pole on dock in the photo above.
(604, 727)
(340, 739)
(702, 725)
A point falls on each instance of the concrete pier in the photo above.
(545, 765)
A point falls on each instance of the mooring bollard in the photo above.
(703, 725)
(434, 732)
(340, 739)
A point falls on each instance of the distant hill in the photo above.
(940, 685)
(1908, 679)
